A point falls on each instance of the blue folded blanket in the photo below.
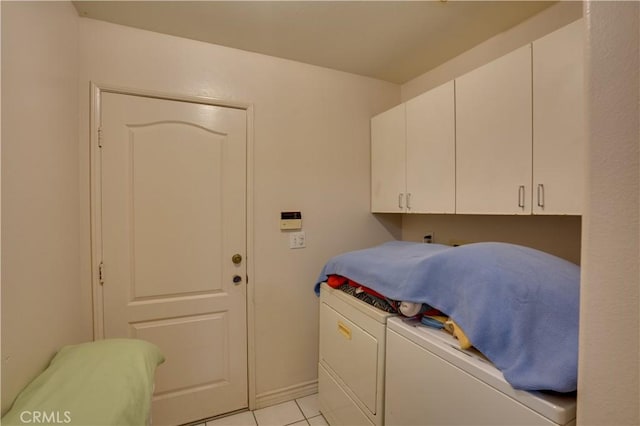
(518, 306)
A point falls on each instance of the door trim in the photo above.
(95, 210)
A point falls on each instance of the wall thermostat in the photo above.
(290, 220)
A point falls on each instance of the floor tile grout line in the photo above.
(304, 418)
(305, 414)
(300, 408)
(255, 418)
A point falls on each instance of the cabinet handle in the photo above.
(521, 196)
(400, 195)
(408, 201)
(541, 195)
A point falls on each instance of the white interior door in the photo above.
(173, 179)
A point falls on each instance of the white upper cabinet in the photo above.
(558, 122)
(431, 177)
(413, 155)
(493, 137)
(388, 161)
(505, 138)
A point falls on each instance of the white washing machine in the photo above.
(429, 380)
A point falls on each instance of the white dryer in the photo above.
(351, 367)
(429, 380)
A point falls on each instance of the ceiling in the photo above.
(394, 41)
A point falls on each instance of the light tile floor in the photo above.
(299, 412)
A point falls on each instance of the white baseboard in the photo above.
(286, 394)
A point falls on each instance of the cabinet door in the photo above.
(431, 167)
(558, 122)
(388, 180)
(493, 137)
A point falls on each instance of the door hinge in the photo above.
(101, 273)
(99, 137)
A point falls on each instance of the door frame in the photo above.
(96, 209)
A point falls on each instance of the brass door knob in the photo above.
(236, 259)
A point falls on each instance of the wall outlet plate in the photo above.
(297, 240)
(458, 242)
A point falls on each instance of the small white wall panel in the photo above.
(493, 139)
(431, 166)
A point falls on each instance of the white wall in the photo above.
(1, 408)
(609, 377)
(558, 235)
(41, 287)
(311, 154)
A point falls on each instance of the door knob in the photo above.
(236, 259)
(237, 279)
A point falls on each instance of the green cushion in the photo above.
(107, 382)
